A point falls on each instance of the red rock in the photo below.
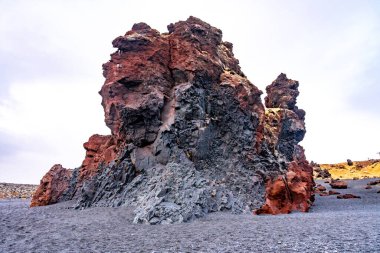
(147, 64)
(99, 149)
(284, 128)
(348, 196)
(374, 182)
(320, 188)
(52, 186)
(291, 192)
(333, 192)
(337, 184)
(283, 93)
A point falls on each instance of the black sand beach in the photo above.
(333, 225)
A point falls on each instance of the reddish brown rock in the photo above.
(338, 184)
(283, 93)
(99, 149)
(368, 187)
(348, 196)
(320, 188)
(294, 191)
(52, 186)
(331, 192)
(375, 182)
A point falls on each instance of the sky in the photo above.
(51, 53)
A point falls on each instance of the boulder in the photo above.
(375, 182)
(52, 186)
(338, 184)
(320, 188)
(331, 192)
(348, 196)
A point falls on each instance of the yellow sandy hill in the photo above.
(360, 169)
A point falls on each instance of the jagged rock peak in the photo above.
(282, 93)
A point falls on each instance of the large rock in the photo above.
(190, 134)
(52, 186)
(338, 184)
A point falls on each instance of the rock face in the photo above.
(52, 186)
(99, 149)
(190, 134)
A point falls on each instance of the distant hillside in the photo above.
(359, 169)
(11, 191)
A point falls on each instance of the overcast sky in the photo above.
(51, 54)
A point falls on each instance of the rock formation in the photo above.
(190, 134)
(52, 186)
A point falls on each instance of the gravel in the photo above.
(333, 225)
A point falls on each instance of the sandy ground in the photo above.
(332, 226)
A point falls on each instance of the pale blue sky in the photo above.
(51, 54)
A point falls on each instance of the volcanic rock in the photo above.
(283, 93)
(375, 182)
(349, 162)
(99, 149)
(190, 134)
(337, 184)
(348, 196)
(52, 186)
(331, 192)
(320, 188)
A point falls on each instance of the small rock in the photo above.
(333, 192)
(374, 182)
(348, 196)
(320, 188)
(337, 184)
(349, 162)
(368, 187)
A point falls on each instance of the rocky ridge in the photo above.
(190, 134)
